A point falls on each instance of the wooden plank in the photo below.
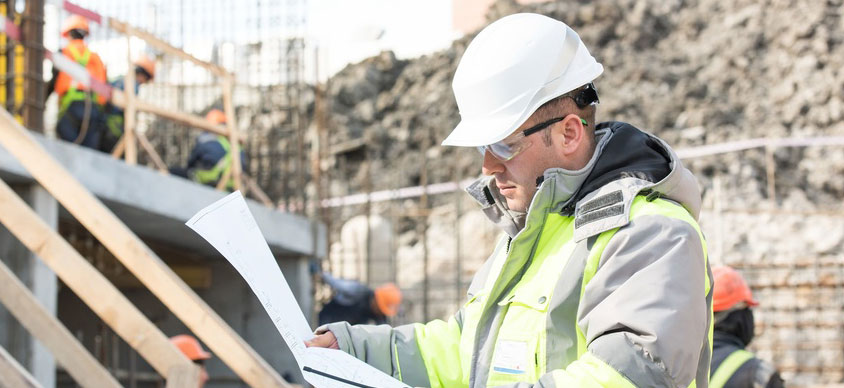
(80, 364)
(183, 376)
(86, 282)
(256, 190)
(118, 149)
(156, 42)
(130, 114)
(234, 135)
(137, 257)
(12, 374)
(156, 159)
(118, 98)
(221, 184)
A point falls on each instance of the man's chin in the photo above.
(516, 205)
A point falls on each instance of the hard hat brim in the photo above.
(481, 132)
(491, 129)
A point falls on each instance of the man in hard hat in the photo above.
(211, 158)
(193, 350)
(80, 109)
(732, 366)
(601, 279)
(144, 68)
(356, 303)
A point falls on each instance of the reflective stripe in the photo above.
(214, 174)
(76, 91)
(729, 367)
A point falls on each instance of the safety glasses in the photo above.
(509, 148)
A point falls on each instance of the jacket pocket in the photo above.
(519, 354)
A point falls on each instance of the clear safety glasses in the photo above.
(509, 148)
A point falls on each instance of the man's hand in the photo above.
(324, 340)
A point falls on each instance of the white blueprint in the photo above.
(230, 228)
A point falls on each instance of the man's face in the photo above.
(516, 178)
(203, 376)
(141, 78)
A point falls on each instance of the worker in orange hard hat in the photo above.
(81, 119)
(144, 68)
(733, 366)
(356, 303)
(191, 348)
(210, 160)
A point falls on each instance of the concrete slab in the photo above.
(156, 206)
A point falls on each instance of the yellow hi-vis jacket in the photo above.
(604, 282)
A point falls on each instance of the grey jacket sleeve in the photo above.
(392, 350)
(646, 312)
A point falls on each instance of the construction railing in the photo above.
(126, 99)
(95, 290)
(87, 282)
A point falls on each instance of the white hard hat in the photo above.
(510, 69)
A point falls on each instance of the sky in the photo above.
(342, 31)
(349, 31)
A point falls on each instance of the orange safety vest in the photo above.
(66, 86)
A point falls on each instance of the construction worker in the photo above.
(601, 279)
(80, 109)
(210, 160)
(193, 350)
(144, 68)
(732, 366)
(356, 303)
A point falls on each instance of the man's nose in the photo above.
(491, 165)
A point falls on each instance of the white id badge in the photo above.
(511, 357)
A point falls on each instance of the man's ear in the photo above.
(573, 134)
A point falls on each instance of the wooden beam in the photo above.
(118, 149)
(12, 374)
(156, 42)
(256, 190)
(80, 364)
(118, 98)
(183, 376)
(130, 113)
(137, 257)
(234, 135)
(86, 282)
(221, 184)
(156, 159)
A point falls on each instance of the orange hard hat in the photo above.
(216, 116)
(146, 63)
(190, 347)
(730, 289)
(388, 299)
(74, 22)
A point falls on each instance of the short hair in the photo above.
(563, 105)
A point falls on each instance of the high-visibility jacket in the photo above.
(604, 282)
(70, 90)
(208, 163)
(735, 367)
